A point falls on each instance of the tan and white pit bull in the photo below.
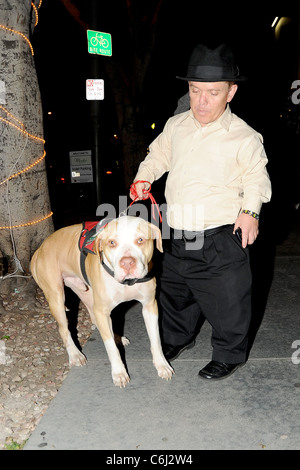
(124, 249)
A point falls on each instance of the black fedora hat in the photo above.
(212, 65)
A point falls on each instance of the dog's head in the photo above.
(126, 246)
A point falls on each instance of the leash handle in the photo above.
(134, 192)
(148, 195)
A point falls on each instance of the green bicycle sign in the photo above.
(99, 43)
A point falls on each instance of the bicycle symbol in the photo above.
(99, 40)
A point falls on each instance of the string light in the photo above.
(20, 129)
(28, 223)
(23, 131)
(11, 30)
(24, 169)
(36, 11)
(36, 14)
(34, 137)
(11, 115)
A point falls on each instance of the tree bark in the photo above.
(24, 196)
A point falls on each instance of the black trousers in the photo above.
(214, 280)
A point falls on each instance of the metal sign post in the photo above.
(99, 43)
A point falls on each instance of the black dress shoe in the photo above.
(172, 352)
(218, 370)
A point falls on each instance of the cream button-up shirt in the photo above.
(215, 171)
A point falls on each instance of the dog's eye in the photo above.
(140, 240)
(112, 243)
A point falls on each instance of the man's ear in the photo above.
(232, 91)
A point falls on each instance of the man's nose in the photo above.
(202, 98)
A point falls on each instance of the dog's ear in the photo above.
(100, 230)
(156, 235)
(98, 244)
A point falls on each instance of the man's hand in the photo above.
(249, 227)
(137, 191)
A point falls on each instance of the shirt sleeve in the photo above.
(255, 179)
(158, 159)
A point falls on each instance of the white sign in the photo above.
(81, 158)
(81, 166)
(80, 153)
(95, 89)
(82, 174)
(2, 92)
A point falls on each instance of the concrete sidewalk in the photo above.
(256, 408)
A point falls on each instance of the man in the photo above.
(216, 185)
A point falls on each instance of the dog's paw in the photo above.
(77, 359)
(121, 379)
(121, 340)
(125, 341)
(165, 371)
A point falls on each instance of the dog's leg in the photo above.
(57, 308)
(150, 314)
(118, 371)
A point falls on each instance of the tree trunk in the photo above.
(24, 197)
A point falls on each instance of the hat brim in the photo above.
(213, 79)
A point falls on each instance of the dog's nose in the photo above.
(127, 263)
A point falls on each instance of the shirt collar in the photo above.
(226, 118)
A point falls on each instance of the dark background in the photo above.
(63, 65)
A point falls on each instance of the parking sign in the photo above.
(95, 89)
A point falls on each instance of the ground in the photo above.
(33, 363)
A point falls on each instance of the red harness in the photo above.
(87, 237)
(86, 244)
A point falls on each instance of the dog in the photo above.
(116, 271)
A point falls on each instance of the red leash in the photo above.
(147, 196)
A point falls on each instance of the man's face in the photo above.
(208, 99)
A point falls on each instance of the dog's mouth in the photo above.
(128, 278)
(131, 277)
(129, 281)
(128, 270)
